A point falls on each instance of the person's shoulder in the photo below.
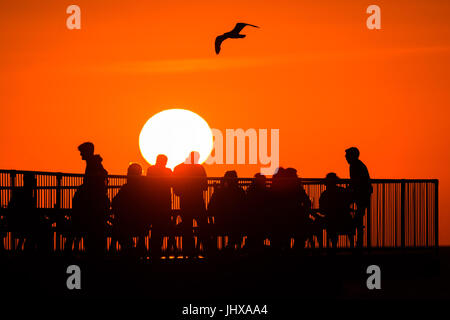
(121, 192)
(179, 167)
(200, 169)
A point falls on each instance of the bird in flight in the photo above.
(233, 34)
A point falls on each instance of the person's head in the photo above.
(352, 154)
(134, 169)
(279, 172)
(277, 178)
(331, 180)
(193, 158)
(260, 180)
(161, 160)
(230, 178)
(291, 173)
(86, 150)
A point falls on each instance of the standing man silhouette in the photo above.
(162, 177)
(361, 189)
(159, 185)
(90, 202)
(189, 183)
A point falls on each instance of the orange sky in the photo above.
(313, 70)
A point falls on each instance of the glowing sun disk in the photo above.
(175, 133)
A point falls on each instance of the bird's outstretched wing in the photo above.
(218, 42)
(240, 25)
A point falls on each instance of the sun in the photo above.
(175, 133)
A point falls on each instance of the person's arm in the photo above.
(212, 206)
(169, 178)
(306, 201)
(322, 203)
(175, 181)
(204, 182)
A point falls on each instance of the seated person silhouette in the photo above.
(290, 210)
(257, 213)
(227, 207)
(159, 187)
(189, 183)
(300, 208)
(275, 223)
(25, 221)
(335, 205)
(90, 203)
(129, 208)
(361, 189)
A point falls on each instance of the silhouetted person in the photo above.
(129, 208)
(160, 183)
(276, 223)
(335, 206)
(291, 206)
(361, 189)
(227, 206)
(302, 204)
(25, 220)
(190, 182)
(23, 217)
(257, 212)
(90, 202)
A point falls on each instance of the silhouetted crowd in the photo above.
(267, 215)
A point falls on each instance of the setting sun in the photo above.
(175, 133)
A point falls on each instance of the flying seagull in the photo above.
(233, 34)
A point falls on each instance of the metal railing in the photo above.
(402, 213)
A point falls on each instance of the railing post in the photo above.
(402, 213)
(58, 191)
(57, 244)
(436, 213)
(12, 180)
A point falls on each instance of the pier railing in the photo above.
(403, 212)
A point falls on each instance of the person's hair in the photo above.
(331, 177)
(259, 176)
(353, 151)
(86, 147)
(279, 172)
(134, 169)
(232, 174)
(291, 172)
